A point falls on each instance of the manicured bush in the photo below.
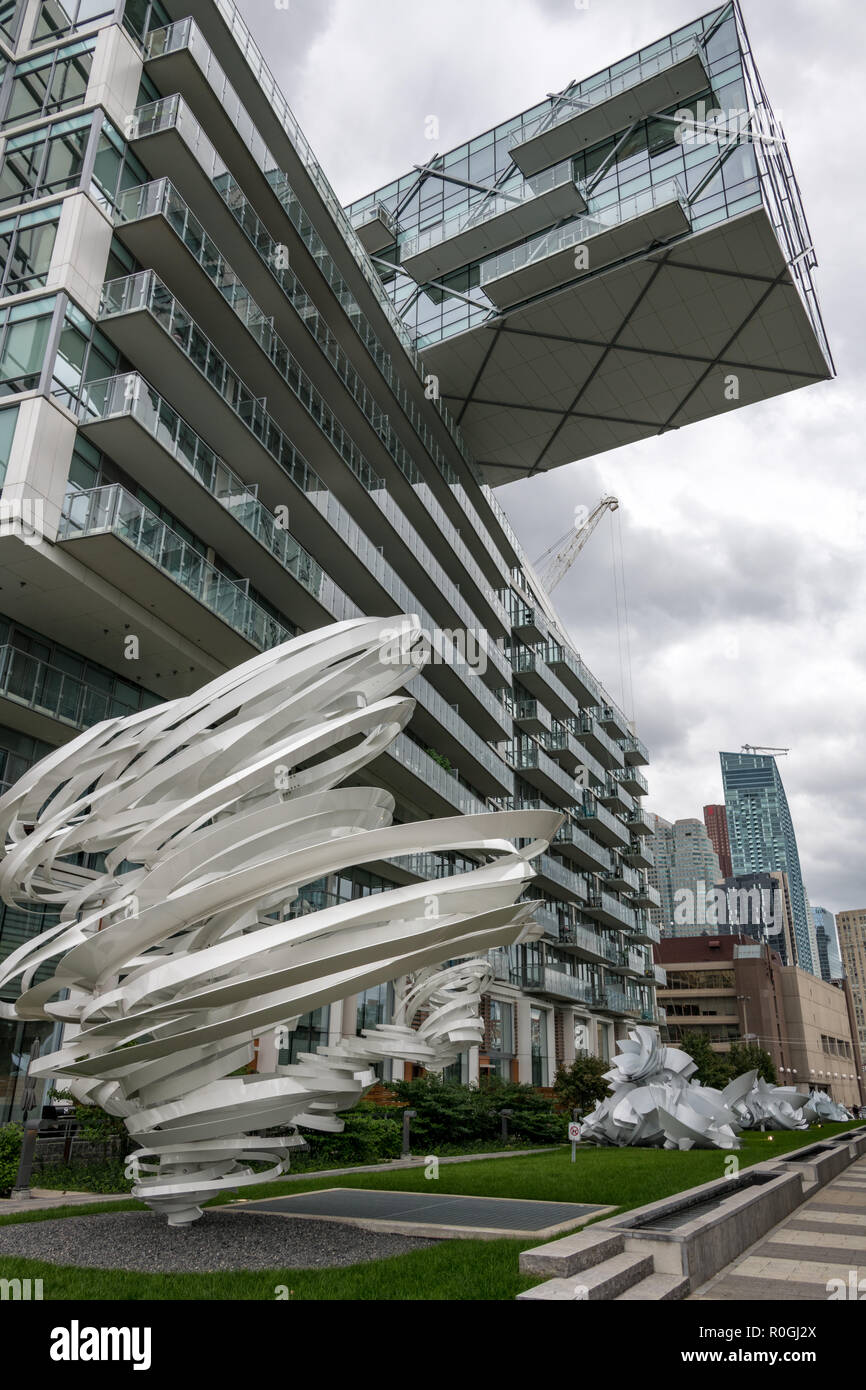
(452, 1115)
(107, 1176)
(10, 1156)
(579, 1085)
(372, 1134)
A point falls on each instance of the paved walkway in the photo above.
(823, 1239)
(47, 1197)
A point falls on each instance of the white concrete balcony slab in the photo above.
(376, 227)
(585, 245)
(505, 217)
(573, 123)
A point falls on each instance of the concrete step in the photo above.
(605, 1281)
(657, 1288)
(571, 1254)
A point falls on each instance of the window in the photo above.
(8, 421)
(140, 16)
(49, 82)
(24, 332)
(43, 161)
(26, 244)
(115, 167)
(11, 12)
(63, 16)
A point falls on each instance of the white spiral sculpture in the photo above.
(654, 1104)
(213, 811)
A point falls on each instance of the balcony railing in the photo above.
(545, 980)
(459, 221)
(130, 395)
(575, 104)
(581, 230)
(114, 510)
(48, 690)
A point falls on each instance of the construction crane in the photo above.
(557, 560)
(754, 748)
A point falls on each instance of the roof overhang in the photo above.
(633, 350)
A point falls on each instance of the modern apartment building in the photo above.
(732, 989)
(762, 836)
(233, 411)
(716, 821)
(686, 871)
(851, 926)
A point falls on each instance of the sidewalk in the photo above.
(47, 1197)
(823, 1240)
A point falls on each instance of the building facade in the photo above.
(851, 925)
(716, 821)
(762, 835)
(732, 989)
(232, 411)
(686, 871)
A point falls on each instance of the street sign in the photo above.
(573, 1132)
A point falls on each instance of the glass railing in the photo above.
(572, 834)
(113, 509)
(544, 978)
(50, 691)
(554, 869)
(146, 291)
(161, 198)
(630, 774)
(581, 229)
(373, 212)
(587, 940)
(181, 35)
(429, 771)
(577, 101)
(606, 902)
(632, 744)
(488, 207)
(131, 396)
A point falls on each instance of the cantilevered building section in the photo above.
(762, 837)
(610, 264)
(215, 433)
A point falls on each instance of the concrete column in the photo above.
(550, 1022)
(335, 1023)
(39, 462)
(474, 1068)
(524, 1042)
(348, 1013)
(80, 255)
(116, 74)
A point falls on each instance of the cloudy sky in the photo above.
(742, 537)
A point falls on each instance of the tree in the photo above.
(714, 1068)
(752, 1057)
(579, 1085)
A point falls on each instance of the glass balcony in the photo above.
(160, 198)
(591, 813)
(114, 510)
(577, 845)
(635, 750)
(175, 38)
(593, 943)
(122, 396)
(548, 261)
(644, 929)
(543, 979)
(618, 1001)
(632, 780)
(610, 103)
(532, 716)
(610, 910)
(147, 291)
(408, 755)
(493, 221)
(557, 872)
(376, 227)
(49, 691)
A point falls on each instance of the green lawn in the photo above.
(454, 1269)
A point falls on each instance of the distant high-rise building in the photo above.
(851, 926)
(716, 821)
(827, 937)
(686, 869)
(762, 835)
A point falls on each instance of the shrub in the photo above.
(579, 1085)
(450, 1114)
(10, 1156)
(108, 1176)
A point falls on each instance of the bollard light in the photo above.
(408, 1117)
(505, 1116)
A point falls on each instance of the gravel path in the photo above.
(142, 1241)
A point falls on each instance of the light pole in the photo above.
(408, 1117)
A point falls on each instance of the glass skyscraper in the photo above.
(762, 835)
